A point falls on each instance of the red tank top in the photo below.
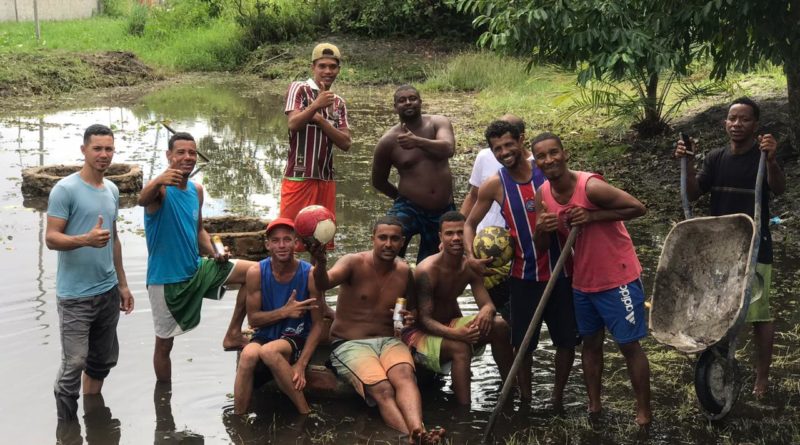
(603, 255)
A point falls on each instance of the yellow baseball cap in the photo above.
(325, 50)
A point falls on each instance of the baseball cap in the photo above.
(325, 50)
(277, 222)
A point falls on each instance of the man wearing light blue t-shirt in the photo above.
(91, 287)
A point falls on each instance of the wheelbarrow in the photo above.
(702, 291)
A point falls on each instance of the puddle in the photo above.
(242, 129)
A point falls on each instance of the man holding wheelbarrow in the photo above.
(729, 173)
(605, 280)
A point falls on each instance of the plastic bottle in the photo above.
(397, 317)
(219, 248)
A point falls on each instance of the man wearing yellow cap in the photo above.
(317, 121)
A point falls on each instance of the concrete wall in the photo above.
(48, 9)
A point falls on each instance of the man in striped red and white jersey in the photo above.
(317, 120)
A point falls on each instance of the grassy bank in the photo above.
(212, 47)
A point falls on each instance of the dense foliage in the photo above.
(638, 41)
(266, 21)
(409, 18)
(646, 42)
(740, 35)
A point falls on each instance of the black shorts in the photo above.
(262, 374)
(559, 313)
(500, 298)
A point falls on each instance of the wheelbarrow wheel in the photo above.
(716, 380)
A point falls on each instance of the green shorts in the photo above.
(427, 349)
(176, 306)
(759, 299)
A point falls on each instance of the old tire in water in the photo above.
(716, 380)
(38, 181)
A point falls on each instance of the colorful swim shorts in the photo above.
(365, 362)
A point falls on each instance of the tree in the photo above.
(739, 35)
(609, 40)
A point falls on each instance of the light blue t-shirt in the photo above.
(85, 271)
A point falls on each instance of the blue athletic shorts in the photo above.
(620, 309)
(415, 221)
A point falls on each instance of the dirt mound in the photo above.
(119, 68)
(52, 72)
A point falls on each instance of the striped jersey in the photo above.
(310, 149)
(519, 210)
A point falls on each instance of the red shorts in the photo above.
(295, 195)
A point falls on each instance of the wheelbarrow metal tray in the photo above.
(701, 285)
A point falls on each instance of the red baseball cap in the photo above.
(277, 222)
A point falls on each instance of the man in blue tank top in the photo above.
(178, 278)
(91, 287)
(283, 305)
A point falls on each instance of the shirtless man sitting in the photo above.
(419, 147)
(443, 335)
(365, 352)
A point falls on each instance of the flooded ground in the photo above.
(241, 127)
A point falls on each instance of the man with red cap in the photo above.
(283, 305)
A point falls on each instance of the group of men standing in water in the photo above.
(527, 187)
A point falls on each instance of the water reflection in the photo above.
(166, 433)
(101, 426)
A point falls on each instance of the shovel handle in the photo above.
(566, 251)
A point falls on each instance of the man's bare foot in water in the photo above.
(235, 341)
(430, 437)
(760, 388)
(558, 404)
(643, 417)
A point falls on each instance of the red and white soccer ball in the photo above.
(315, 222)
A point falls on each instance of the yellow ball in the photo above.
(495, 242)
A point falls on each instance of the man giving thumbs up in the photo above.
(91, 287)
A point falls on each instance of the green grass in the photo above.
(504, 85)
(209, 48)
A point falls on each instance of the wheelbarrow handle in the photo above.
(759, 189)
(687, 210)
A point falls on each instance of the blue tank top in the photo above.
(171, 232)
(274, 295)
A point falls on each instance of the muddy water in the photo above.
(241, 127)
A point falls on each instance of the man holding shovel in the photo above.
(317, 121)
(729, 173)
(606, 286)
(514, 187)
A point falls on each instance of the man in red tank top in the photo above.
(514, 189)
(605, 281)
